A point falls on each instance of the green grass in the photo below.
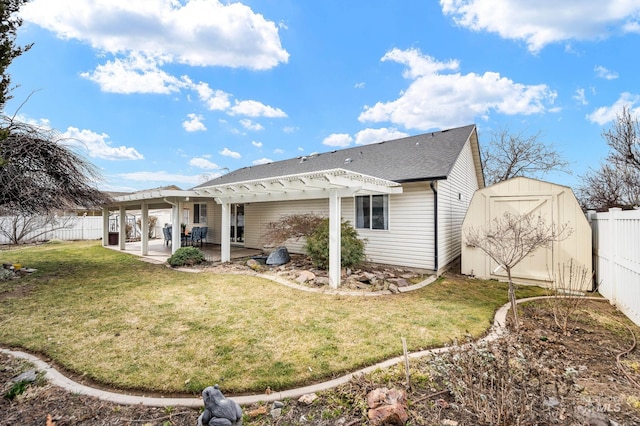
(130, 324)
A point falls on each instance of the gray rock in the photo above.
(27, 376)
(280, 256)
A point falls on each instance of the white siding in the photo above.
(409, 239)
(454, 196)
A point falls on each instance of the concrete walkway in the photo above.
(56, 378)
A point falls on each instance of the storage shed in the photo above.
(557, 204)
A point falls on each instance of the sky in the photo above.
(175, 92)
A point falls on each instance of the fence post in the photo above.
(613, 241)
(592, 217)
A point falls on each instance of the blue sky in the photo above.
(161, 92)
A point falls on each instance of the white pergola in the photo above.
(333, 184)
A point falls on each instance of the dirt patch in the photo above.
(582, 377)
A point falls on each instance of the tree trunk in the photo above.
(512, 299)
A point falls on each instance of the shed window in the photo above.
(200, 213)
(372, 212)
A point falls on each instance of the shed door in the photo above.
(538, 265)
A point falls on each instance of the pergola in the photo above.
(333, 184)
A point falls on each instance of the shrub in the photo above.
(352, 252)
(186, 256)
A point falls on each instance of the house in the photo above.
(557, 205)
(407, 197)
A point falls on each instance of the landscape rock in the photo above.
(27, 376)
(387, 407)
(254, 264)
(305, 276)
(308, 398)
(393, 288)
(280, 256)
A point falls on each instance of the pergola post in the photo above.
(176, 238)
(334, 238)
(105, 226)
(122, 236)
(225, 233)
(144, 232)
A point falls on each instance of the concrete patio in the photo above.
(158, 252)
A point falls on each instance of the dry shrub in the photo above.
(568, 293)
(509, 381)
(293, 226)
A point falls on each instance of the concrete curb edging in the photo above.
(497, 330)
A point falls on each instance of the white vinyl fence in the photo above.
(78, 228)
(616, 258)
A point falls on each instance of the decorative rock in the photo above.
(27, 376)
(276, 412)
(278, 404)
(400, 282)
(387, 407)
(393, 288)
(218, 410)
(308, 398)
(305, 276)
(279, 257)
(320, 281)
(254, 264)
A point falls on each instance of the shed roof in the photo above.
(423, 157)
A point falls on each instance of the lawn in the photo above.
(129, 324)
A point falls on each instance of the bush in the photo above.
(351, 254)
(186, 256)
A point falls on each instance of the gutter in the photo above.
(435, 224)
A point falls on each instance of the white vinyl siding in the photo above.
(409, 239)
(454, 196)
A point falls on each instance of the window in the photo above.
(200, 213)
(372, 212)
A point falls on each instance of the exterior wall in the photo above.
(454, 196)
(556, 204)
(407, 242)
(409, 239)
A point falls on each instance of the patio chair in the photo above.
(166, 231)
(195, 234)
(201, 236)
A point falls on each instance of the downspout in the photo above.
(435, 224)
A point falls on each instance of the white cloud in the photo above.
(604, 115)
(97, 145)
(540, 23)
(203, 163)
(256, 144)
(368, 136)
(255, 109)
(341, 140)
(134, 74)
(602, 72)
(160, 176)
(278, 151)
(359, 86)
(196, 32)
(228, 153)
(262, 161)
(194, 123)
(289, 129)
(438, 97)
(580, 97)
(250, 125)
(216, 100)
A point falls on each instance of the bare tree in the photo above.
(609, 186)
(617, 182)
(624, 139)
(510, 155)
(511, 238)
(39, 174)
(20, 228)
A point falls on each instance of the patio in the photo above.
(158, 252)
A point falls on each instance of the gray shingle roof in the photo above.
(422, 157)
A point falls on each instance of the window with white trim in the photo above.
(200, 214)
(372, 211)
